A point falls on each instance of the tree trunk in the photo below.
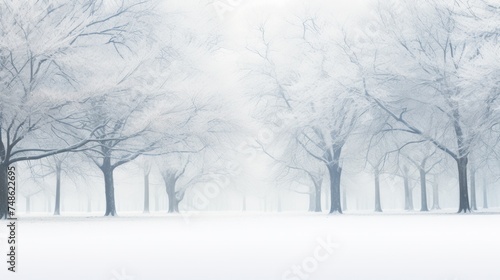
(28, 204)
(408, 193)
(473, 189)
(462, 185)
(485, 194)
(378, 204)
(335, 172)
(4, 189)
(423, 191)
(157, 201)
(89, 204)
(312, 200)
(344, 199)
(279, 203)
(326, 198)
(173, 204)
(410, 198)
(170, 180)
(109, 187)
(435, 196)
(315, 194)
(317, 197)
(57, 210)
(49, 203)
(146, 192)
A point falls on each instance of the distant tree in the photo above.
(175, 194)
(296, 62)
(29, 191)
(425, 161)
(146, 167)
(408, 190)
(195, 157)
(435, 194)
(67, 164)
(377, 169)
(125, 136)
(295, 167)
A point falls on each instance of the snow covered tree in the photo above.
(70, 165)
(194, 148)
(418, 70)
(305, 77)
(191, 114)
(182, 171)
(125, 136)
(42, 46)
(297, 167)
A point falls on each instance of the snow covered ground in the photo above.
(256, 246)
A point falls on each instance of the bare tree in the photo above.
(424, 161)
(59, 165)
(29, 191)
(408, 190)
(42, 43)
(297, 167)
(172, 169)
(310, 86)
(436, 54)
(124, 137)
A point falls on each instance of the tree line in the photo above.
(410, 86)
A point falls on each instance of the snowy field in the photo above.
(257, 246)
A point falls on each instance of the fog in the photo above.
(218, 111)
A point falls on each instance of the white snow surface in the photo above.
(253, 246)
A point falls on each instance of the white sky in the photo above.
(237, 18)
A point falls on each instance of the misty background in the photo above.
(251, 105)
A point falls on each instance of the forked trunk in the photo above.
(170, 180)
